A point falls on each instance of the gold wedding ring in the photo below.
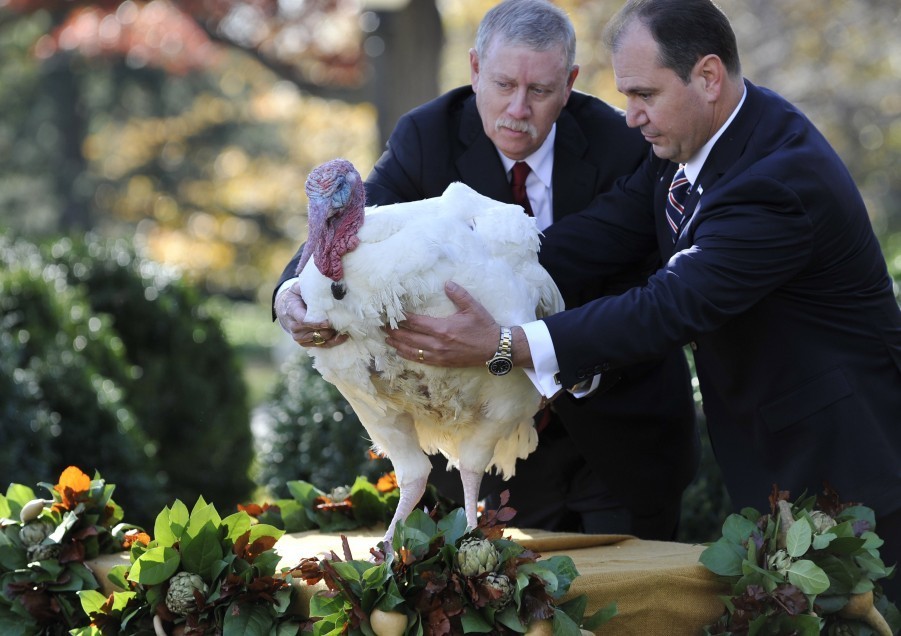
(318, 340)
(421, 355)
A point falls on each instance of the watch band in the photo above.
(502, 361)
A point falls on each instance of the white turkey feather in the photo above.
(406, 254)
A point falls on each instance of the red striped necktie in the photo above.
(675, 201)
(518, 185)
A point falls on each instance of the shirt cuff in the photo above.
(544, 371)
(286, 285)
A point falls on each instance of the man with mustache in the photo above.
(619, 461)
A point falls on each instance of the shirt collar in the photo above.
(694, 165)
(541, 161)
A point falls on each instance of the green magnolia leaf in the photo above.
(723, 557)
(564, 570)
(118, 576)
(17, 495)
(509, 618)
(844, 529)
(863, 586)
(247, 619)
(91, 601)
(202, 515)
(847, 545)
(155, 566)
(565, 626)
(261, 530)
(737, 529)
(304, 492)
(201, 550)
(822, 541)
(574, 608)
(376, 576)
(323, 605)
(453, 526)
(842, 573)
(419, 520)
(80, 578)
(600, 617)
(294, 516)
(392, 599)
(798, 539)
(860, 513)
(237, 524)
(872, 565)
(547, 575)
(872, 541)
(474, 623)
(170, 524)
(808, 577)
(11, 557)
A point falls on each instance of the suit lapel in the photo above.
(479, 165)
(573, 178)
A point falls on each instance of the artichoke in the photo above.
(180, 597)
(477, 556)
(339, 493)
(822, 522)
(42, 552)
(33, 532)
(779, 561)
(502, 584)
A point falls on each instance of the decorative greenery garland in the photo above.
(806, 568)
(202, 574)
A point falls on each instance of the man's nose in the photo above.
(519, 107)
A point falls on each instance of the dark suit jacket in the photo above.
(778, 283)
(639, 436)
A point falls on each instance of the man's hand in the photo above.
(467, 338)
(290, 309)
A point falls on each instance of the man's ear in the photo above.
(711, 72)
(570, 81)
(473, 69)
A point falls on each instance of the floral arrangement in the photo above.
(200, 574)
(440, 579)
(43, 546)
(806, 568)
(360, 505)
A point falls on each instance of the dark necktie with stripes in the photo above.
(518, 186)
(675, 201)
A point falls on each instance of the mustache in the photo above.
(517, 125)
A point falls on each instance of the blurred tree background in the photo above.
(186, 129)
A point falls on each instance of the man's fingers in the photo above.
(459, 296)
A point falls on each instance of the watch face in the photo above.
(500, 366)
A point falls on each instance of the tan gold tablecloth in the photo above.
(659, 587)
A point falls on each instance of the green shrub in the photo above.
(107, 341)
(310, 433)
(188, 391)
(62, 400)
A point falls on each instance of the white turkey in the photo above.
(371, 265)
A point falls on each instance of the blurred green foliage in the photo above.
(112, 363)
(308, 432)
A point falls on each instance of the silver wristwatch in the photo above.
(502, 362)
